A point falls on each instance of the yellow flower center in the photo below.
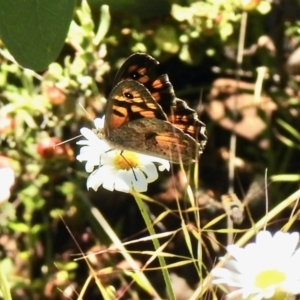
(126, 160)
(269, 277)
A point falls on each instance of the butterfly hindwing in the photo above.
(157, 138)
(186, 119)
(142, 68)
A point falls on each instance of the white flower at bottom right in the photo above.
(266, 269)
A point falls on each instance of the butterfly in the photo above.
(145, 69)
(143, 114)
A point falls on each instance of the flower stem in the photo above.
(156, 244)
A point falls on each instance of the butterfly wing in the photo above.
(157, 138)
(134, 121)
(186, 119)
(143, 68)
(128, 101)
(139, 67)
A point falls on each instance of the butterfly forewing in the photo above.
(135, 121)
(129, 101)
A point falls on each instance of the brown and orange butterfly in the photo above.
(144, 115)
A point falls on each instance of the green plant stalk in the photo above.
(4, 286)
(156, 244)
(99, 218)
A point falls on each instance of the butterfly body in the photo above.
(144, 115)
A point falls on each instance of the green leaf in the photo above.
(104, 24)
(19, 227)
(294, 132)
(34, 31)
(286, 177)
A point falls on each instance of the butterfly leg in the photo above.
(121, 153)
(104, 152)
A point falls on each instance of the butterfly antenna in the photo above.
(69, 140)
(87, 113)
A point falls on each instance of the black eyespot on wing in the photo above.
(135, 75)
(128, 95)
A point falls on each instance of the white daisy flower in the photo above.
(124, 171)
(266, 269)
(7, 180)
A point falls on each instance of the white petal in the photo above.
(99, 176)
(123, 183)
(93, 140)
(107, 158)
(89, 166)
(109, 181)
(150, 171)
(95, 179)
(236, 252)
(82, 142)
(224, 276)
(236, 294)
(165, 164)
(256, 297)
(88, 134)
(7, 178)
(295, 260)
(139, 182)
(99, 122)
(91, 161)
(264, 238)
(289, 240)
(4, 194)
(268, 293)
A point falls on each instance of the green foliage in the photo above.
(35, 32)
